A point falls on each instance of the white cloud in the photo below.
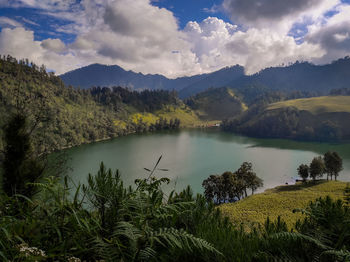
(55, 45)
(20, 43)
(218, 44)
(276, 15)
(40, 4)
(333, 35)
(8, 22)
(141, 37)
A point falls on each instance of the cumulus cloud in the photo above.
(333, 36)
(279, 15)
(20, 43)
(142, 37)
(218, 44)
(55, 45)
(258, 49)
(40, 4)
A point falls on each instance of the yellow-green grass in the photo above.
(187, 117)
(120, 124)
(280, 201)
(317, 105)
(147, 118)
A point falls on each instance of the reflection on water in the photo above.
(192, 155)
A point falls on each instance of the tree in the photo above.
(256, 183)
(231, 186)
(303, 172)
(317, 168)
(21, 166)
(333, 164)
(249, 178)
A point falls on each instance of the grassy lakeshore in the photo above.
(281, 201)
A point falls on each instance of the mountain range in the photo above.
(300, 76)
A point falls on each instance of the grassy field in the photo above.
(317, 105)
(187, 117)
(280, 201)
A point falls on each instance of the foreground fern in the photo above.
(104, 220)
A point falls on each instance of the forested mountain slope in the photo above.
(301, 77)
(217, 104)
(72, 116)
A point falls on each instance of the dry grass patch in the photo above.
(281, 201)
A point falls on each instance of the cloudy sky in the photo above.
(174, 37)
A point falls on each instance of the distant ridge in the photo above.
(301, 76)
(105, 75)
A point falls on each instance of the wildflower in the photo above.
(74, 259)
(30, 251)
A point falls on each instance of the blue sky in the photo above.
(193, 10)
(175, 37)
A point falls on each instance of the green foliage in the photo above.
(333, 164)
(107, 221)
(317, 167)
(21, 165)
(70, 117)
(216, 104)
(303, 171)
(230, 187)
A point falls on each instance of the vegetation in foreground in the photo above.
(105, 220)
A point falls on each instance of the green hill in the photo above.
(80, 116)
(316, 105)
(217, 104)
(325, 118)
(281, 201)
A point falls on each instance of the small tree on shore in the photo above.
(333, 164)
(317, 168)
(303, 172)
(231, 186)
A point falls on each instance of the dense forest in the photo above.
(74, 116)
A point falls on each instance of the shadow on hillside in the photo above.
(298, 186)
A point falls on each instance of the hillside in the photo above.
(319, 119)
(316, 105)
(300, 76)
(73, 116)
(217, 104)
(216, 79)
(281, 201)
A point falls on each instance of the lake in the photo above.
(192, 155)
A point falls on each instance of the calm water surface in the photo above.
(192, 155)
